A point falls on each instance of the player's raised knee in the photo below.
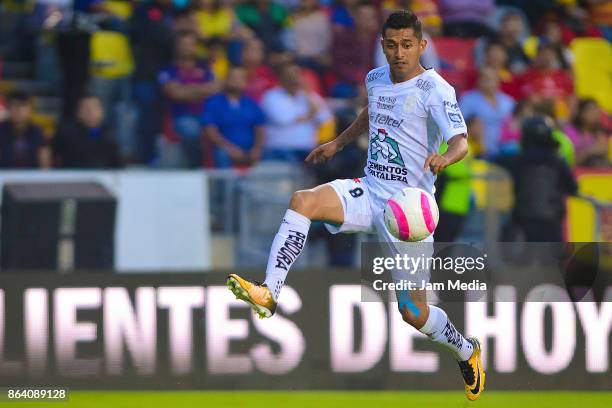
(303, 202)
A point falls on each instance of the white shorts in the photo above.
(364, 213)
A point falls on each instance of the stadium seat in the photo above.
(455, 53)
(593, 70)
(460, 80)
(456, 60)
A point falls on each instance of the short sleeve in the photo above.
(260, 116)
(444, 110)
(210, 112)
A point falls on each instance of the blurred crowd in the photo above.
(226, 84)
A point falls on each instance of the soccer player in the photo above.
(410, 111)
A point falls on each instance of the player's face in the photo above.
(403, 51)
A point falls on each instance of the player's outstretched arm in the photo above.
(457, 149)
(327, 150)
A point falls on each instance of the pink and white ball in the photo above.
(411, 214)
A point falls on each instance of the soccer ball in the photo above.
(411, 214)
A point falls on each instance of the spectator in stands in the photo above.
(511, 128)
(576, 23)
(466, 18)
(542, 181)
(496, 57)
(293, 116)
(111, 68)
(217, 20)
(185, 85)
(267, 19)
(217, 57)
(310, 35)
(3, 109)
(530, 9)
(552, 35)
(353, 50)
(476, 130)
(261, 77)
(184, 21)
(22, 144)
(546, 81)
(233, 122)
(342, 14)
(84, 142)
(588, 135)
(566, 148)
(489, 104)
(152, 41)
(510, 32)
(601, 16)
(453, 194)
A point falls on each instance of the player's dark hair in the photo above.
(403, 19)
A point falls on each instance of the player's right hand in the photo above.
(323, 153)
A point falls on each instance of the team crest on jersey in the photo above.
(410, 103)
(381, 144)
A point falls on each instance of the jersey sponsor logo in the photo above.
(454, 114)
(424, 85)
(384, 106)
(387, 99)
(385, 120)
(291, 249)
(451, 105)
(386, 102)
(455, 117)
(456, 120)
(391, 173)
(381, 144)
(373, 76)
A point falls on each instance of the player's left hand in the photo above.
(436, 163)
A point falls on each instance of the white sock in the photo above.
(441, 331)
(288, 244)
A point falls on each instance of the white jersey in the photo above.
(408, 122)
